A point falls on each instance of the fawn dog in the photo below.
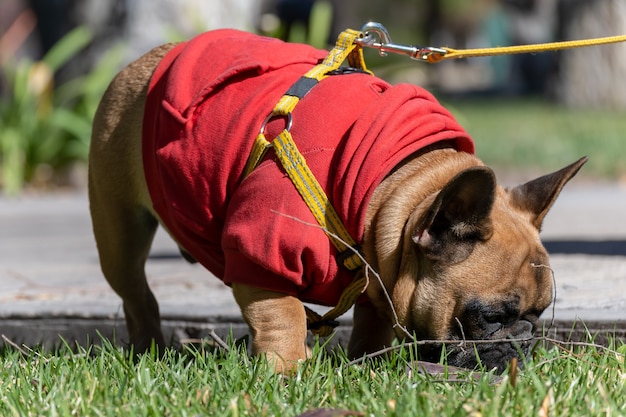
(458, 255)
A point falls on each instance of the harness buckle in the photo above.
(352, 255)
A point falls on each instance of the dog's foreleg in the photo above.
(277, 323)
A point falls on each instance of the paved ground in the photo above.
(49, 266)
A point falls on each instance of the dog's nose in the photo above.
(521, 329)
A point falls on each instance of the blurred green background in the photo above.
(526, 113)
(535, 136)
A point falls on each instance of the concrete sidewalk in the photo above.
(49, 265)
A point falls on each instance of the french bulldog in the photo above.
(458, 256)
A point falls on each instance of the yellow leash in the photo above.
(376, 36)
(522, 49)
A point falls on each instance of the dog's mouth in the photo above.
(496, 351)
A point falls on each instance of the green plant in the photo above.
(44, 127)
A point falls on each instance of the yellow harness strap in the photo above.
(305, 182)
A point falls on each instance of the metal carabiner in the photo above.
(382, 42)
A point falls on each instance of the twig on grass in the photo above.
(14, 345)
(219, 340)
(584, 344)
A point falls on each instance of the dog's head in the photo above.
(483, 271)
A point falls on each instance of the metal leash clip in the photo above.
(376, 36)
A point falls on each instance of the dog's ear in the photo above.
(459, 217)
(537, 196)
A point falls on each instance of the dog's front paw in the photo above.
(286, 363)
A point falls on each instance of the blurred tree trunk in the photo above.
(593, 76)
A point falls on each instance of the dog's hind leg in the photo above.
(124, 235)
(121, 210)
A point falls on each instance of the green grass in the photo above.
(105, 382)
(528, 134)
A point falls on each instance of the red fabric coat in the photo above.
(206, 103)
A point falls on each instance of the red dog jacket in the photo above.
(206, 103)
